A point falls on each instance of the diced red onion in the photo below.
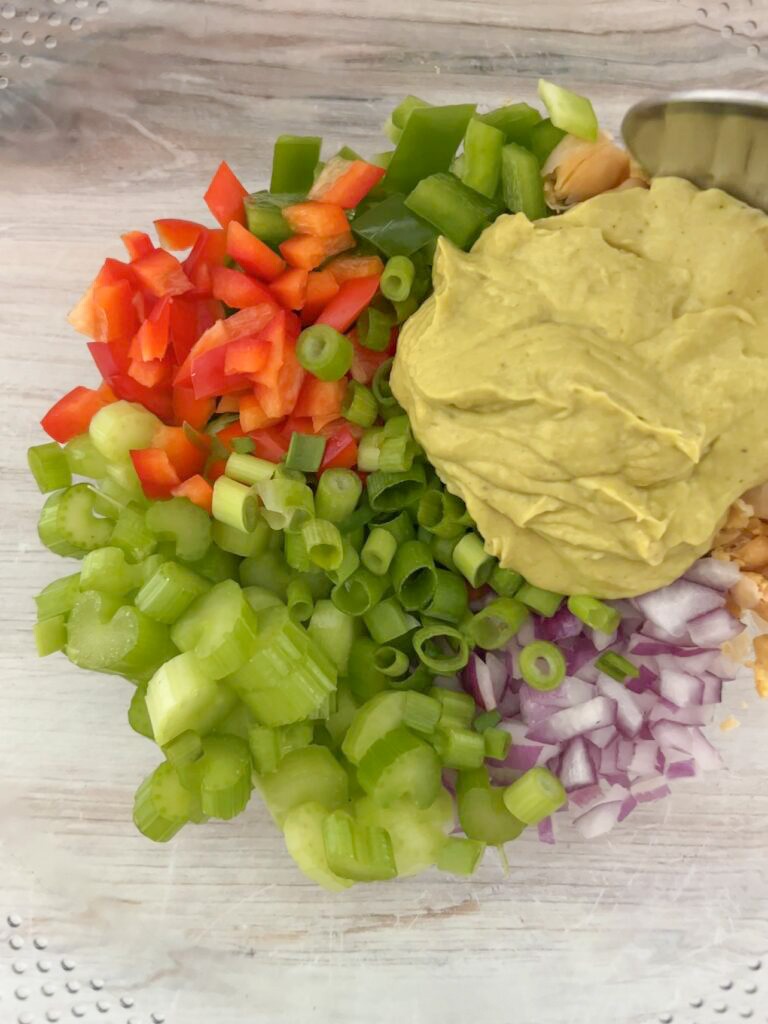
(498, 671)
(715, 573)
(599, 819)
(639, 684)
(684, 768)
(699, 714)
(576, 768)
(602, 640)
(643, 761)
(586, 797)
(714, 628)
(673, 607)
(713, 689)
(704, 754)
(629, 717)
(602, 737)
(509, 704)
(574, 721)
(546, 830)
(673, 736)
(627, 806)
(680, 688)
(560, 626)
(527, 633)
(579, 653)
(648, 790)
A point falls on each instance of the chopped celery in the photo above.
(187, 525)
(225, 776)
(288, 676)
(259, 598)
(103, 636)
(460, 856)
(360, 852)
(400, 764)
(482, 813)
(49, 466)
(249, 544)
(334, 633)
(138, 716)
(106, 569)
(268, 570)
(169, 592)
(216, 565)
(339, 720)
(309, 774)
(162, 805)
(417, 834)
(568, 111)
(377, 717)
(180, 696)
(132, 535)
(68, 525)
(220, 627)
(84, 458)
(303, 831)
(58, 598)
(122, 427)
(50, 635)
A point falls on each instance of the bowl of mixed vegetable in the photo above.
(266, 554)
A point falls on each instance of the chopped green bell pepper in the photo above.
(429, 141)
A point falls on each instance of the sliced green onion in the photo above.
(334, 633)
(442, 514)
(369, 450)
(362, 853)
(374, 329)
(400, 525)
(460, 856)
(417, 681)
(84, 458)
(364, 679)
(350, 560)
(543, 602)
(337, 495)
(359, 592)
(282, 472)
(506, 582)
(386, 621)
(288, 504)
(247, 469)
(450, 600)
(542, 678)
(397, 279)
(388, 492)
(359, 406)
(494, 625)
(58, 598)
(220, 627)
(391, 661)
(295, 551)
(486, 720)
(413, 575)
(268, 570)
(299, 600)
(568, 111)
(595, 614)
(534, 796)
(400, 764)
(234, 504)
(396, 454)
(441, 648)
(324, 352)
(616, 666)
(378, 551)
(289, 676)
(49, 466)
(406, 308)
(242, 445)
(460, 748)
(238, 542)
(305, 452)
(497, 743)
(50, 635)
(472, 560)
(442, 551)
(162, 806)
(323, 542)
(458, 708)
(381, 390)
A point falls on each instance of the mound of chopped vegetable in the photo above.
(267, 555)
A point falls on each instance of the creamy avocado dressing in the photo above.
(595, 385)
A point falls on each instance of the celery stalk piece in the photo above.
(122, 427)
(162, 806)
(168, 593)
(417, 834)
(220, 627)
(180, 696)
(288, 676)
(225, 776)
(375, 719)
(67, 523)
(400, 764)
(309, 774)
(138, 716)
(58, 598)
(362, 853)
(303, 830)
(460, 856)
(186, 524)
(106, 569)
(50, 635)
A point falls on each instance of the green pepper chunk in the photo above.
(393, 228)
(458, 212)
(264, 215)
(429, 141)
(293, 163)
(516, 121)
(521, 182)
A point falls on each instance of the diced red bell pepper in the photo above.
(338, 244)
(225, 194)
(237, 289)
(278, 400)
(344, 268)
(188, 409)
(137, 244)
(230, 433)
(72, 414)
(252, 416)
(151, 373)
(161, 274)
(324, 220)
(157, 400)
(177, 234)
(230, 403)
(345, 307)
(246, 355)
(209, 377)
(216, 469)
(113, 270)
(186, 457)
(153, 337)
(305, 251)
(320, 397)
(290, 289)
(82, 316)
(210, 248)
(243, 324)
(346, 182)
(155, 472)
(197, 490)
(321, 288)
(340, 451)
(111, 357)
(296, 425)
(114, 310)
(282, 330)
(365, 362)
(269, 444)
(252, 254)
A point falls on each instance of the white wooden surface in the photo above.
(123, 121)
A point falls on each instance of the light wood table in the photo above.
(121, 120)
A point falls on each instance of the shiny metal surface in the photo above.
(714, 138)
